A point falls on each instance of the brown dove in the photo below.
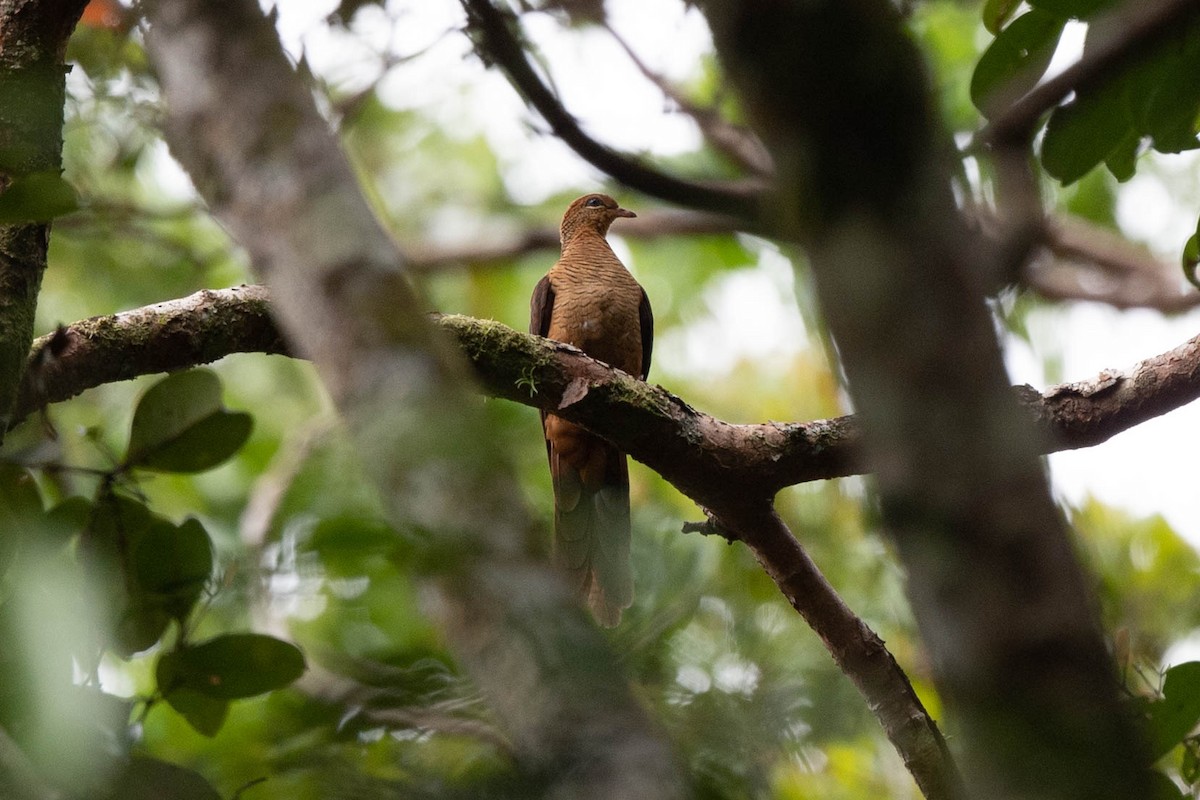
(589, 300)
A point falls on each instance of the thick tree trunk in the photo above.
(33, 39)
(838, 94)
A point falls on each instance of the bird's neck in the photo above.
(571, 230)
(583, 239)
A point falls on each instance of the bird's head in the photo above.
(594, 212)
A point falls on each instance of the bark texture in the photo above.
(33, 38)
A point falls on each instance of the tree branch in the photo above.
(497, 43)
(655, 426)
(164, 337)
(1117, 272)
(857, 650)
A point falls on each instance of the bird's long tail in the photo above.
(591, 517)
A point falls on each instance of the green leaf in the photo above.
(172, 563)
(344, 542)
(1189, 768)
(1191, 258)
(998, 12)
(140, 626)
(19, 496)
(37, 197)
(1173, 717)
(116, 523)
(231, 667)
(1173, 100)
(181, 426)
(1077, 9)
(68, 518)
(1016, 60)
(1083, 133)
(151, 779)
(1122, 162)
(205, 714)
(1163, 788)
(20, 508)
(168, 568)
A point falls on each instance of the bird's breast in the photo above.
(601, 319)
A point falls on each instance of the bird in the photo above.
(590, 300)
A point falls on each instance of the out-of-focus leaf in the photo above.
(181, 426)
(998, 12)
(151, 779)
(140, 627)
(231, 667)
(1161, 788)
(1189, 768)
(1175, 715)
(1173, 103)
(19, 496)
(20, 507)
(172, 563)
(1016, 60)
(1092, 197)
(1191, 258)
(37, 197)
(116, 522)
(205, 714)
(68, 518)
(1077, 9)
(1083, 133)
(345, 540)
(168, 567)
(1122, 162)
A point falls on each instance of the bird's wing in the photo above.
(646, 319)
(541, 306)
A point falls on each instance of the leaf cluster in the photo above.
(147, 580)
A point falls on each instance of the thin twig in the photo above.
(737, 142)
(498, 43)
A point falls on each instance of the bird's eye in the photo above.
(594, 202)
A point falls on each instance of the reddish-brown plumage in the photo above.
(588, 299)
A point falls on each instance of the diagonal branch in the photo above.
(858, 651)
(497, 42)
(737, 142)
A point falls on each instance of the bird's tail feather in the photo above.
(592, 535)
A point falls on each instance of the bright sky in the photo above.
(753, 313)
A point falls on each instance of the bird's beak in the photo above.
(622, 212)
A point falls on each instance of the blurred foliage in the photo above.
(148, 528)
